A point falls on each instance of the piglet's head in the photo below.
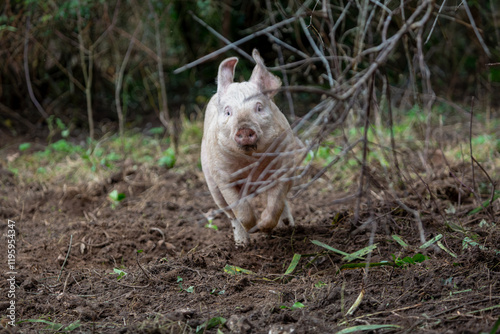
(246, 113)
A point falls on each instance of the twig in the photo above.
(474, 27)
(232, 45)
(435, 21)
(143, 270)
(318, 52)
(282, 62)
(365, 152)
(164, 115)
(66, 259)
(27, 71)
(219, 36)
(119, 80)
(473, 160)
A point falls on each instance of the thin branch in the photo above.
(232, 45)
(27, 71)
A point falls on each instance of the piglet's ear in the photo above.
(226, 75)
(267, 82)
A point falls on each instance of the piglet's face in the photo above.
(245, 110)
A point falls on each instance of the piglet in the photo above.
(248, 148)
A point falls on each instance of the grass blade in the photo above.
(495, 327)
(356, 303)
(440, 244)
(293, 264)
(400, 241)
(331, 249)
(365, 328)
(359, 254)
(430, 242)
(234, 270)
(485, 204)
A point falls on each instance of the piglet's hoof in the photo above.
(254, 229)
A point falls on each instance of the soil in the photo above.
(71, 245)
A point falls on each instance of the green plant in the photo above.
(209, 324)
(180, 280)
(116, 198)
(168, 158)
(24, 146)
(295, 306)
(121, 274)
(53, 326)
(417, 258)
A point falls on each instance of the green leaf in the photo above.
(116, 196)
(211, 323)
(24, 146)
(495, 327)
(293, 264)
(446, 249)
(297, 305)
(234, 270)
(157, 130)
(168, 159)
(485, 204)
(400, 241)
(319, 243)
(51, 325)
(430, 242)
(121, 273)
(72, 326)
(365, 328)
(190, 289)
(212, 226)
(359, 254)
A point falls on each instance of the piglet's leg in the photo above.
(241, 236)
(276, 199)
(286, 218)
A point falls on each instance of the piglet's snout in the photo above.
(245, 137)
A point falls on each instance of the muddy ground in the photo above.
(69, 241)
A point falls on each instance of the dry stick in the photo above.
(318, 52)
(287, 46)
(87, 72)
(365, 151)
(27, 72)
(391, 126)
(470, 144)
(473, 160)
(120, 80)
(431, 96)
(435, 21)
(219, 36)
(164, 116)
(67, 255)
(143, 270)
(282, 62)
(473, 23)
(232, 45)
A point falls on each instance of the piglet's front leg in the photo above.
(276, 201)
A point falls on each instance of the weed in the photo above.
(53, 326)
(209, 324)
(190, 289)
(116, 198)
(168, 158)
(121, 274)
(417, 258)
(295, 306)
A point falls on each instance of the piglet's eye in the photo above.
(259, 107)
(228, 111)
